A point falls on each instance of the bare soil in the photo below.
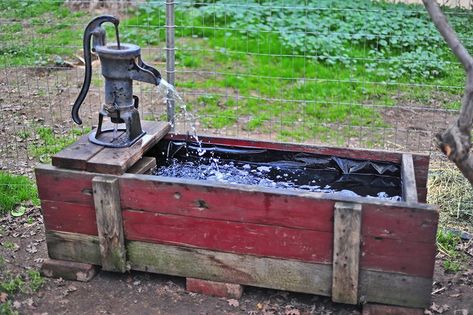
(32, 97)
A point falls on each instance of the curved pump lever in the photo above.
(93, 29)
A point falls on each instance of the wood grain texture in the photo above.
(222, 203)
(68, 270)
(281, 274)
(226, 267)
(346, 252)
(109, 223)
(409, 186)
(117, 160)
(76, 155)
(56, 184)
(73, 247)
(395, 289)
(145, 164)
(244, 238)
(69, 217)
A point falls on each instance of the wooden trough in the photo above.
(98, 210)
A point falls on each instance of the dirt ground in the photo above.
(31, 97)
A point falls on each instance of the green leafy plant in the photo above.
(447, 243)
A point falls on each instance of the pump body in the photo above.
(121, 64)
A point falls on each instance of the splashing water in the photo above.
(168, 91)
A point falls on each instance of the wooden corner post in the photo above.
(346, 252)
(109, 223)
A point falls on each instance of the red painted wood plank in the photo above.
(63, 185)
(69, 217)
(407, 224)
(403, 264)
(373, 155)
(253, 239)
(413, 258)
(421, 168)
(227, 204)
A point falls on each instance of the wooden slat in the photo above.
(244, 238)
(118, 160)
(76, 155)
(69, 217)
(290, 275)
(395, 289)
(109, 223)
(73, 247)
(226, 267)
(346, 252)
(409, 188)
(145, 164)
(223, 203)
(64, 185)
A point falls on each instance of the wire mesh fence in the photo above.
(362, 74)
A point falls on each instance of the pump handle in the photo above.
(94, 28)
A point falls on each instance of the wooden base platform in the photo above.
(86, 156)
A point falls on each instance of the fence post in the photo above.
(170, 60)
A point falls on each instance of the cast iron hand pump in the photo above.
(121, 64)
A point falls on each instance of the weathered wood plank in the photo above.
(145, 164)
(378, 287)
(290, 275)
(226, 267)
(117, 161)
(76, 155)
(239, 205)
(395, 289)
(68, 270)
(73, 247)
(228, 236)
(346, 252)
(109, 223)
(409, 187)
(64, 185)
(69, 217)
(421, 167)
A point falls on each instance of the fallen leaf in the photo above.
(259, 306)
(3, 297)
(18, 212)
(233, 302)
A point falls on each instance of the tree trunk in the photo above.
(455, 142)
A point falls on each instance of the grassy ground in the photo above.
(14, 190)
(310, 72)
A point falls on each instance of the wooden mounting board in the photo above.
(86, 156)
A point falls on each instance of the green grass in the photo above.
(51, 143)
(14, 190)
(14, 284)
(447, 242)
(270, 84)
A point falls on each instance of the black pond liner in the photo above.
(278, 169)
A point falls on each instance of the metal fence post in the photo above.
(170, 60)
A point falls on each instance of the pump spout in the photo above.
(140, 71)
